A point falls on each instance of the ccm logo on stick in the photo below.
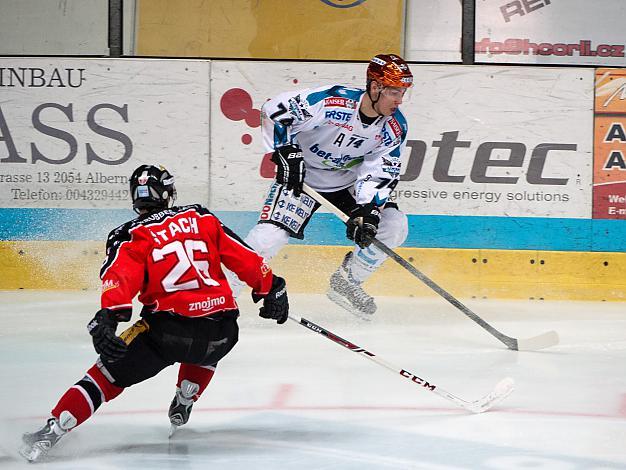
(417, 380)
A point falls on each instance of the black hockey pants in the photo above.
(161, 339)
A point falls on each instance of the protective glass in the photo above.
(397, 93)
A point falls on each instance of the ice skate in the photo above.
(37, 444)
(180, 409)
(348, 293)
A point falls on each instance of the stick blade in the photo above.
(502, 390)
(545, 340)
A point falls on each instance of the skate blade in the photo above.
(343, 303)
(173, 429)
(30, 453)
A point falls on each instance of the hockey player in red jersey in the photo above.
(171, 257)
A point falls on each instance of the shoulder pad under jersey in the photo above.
(336, 91)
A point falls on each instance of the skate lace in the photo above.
(45, 437)
(359, 295)
(353, 289)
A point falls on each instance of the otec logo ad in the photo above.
(457, 176)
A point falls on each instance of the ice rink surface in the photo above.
(287, 398)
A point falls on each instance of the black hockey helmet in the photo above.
(152, 188)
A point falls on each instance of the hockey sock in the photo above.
(364, 262)
(200, 375)
(85, 396)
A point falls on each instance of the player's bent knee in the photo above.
(103, 382)
(394, 227)
(220, 347)
(267, 239)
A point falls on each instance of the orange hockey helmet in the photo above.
(389, 70)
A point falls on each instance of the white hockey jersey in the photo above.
(339, 150)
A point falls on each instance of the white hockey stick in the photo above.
(544, 340)
(499, 393)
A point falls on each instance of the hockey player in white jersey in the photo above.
(346, 144)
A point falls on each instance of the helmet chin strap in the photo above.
(374, 101)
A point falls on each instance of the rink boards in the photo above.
(465, 273)
(513, 177)
(559, 266)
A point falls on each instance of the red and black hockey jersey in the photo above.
(173, 259)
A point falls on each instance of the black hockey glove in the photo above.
(363, 224)
(275, 303)
(290, 169)
(105, 342)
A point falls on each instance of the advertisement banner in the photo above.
(482, 140)
(551, 32)
(240, 173)
(73, 130)
(609, 179)
(433, 31)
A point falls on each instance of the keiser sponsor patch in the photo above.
(340, 102)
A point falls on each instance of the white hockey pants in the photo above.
(268, 239)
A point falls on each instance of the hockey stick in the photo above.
(544, 340)
(500, 391)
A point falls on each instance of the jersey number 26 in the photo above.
(185, 255)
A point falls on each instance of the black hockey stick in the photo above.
(544, 340)
(499, 392)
